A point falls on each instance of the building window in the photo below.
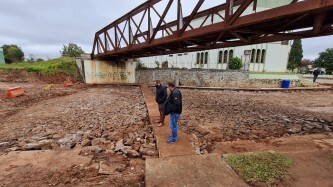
(206, 57)
(225, 57)
(253, 55)
(258, 56)
(231, 54)
(263, 56)
(220, 57)
(202, 58)
(180, 54)
(170, 55)
(198, 58)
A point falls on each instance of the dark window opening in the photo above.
(198, 58)
(225, 58)
(231, 54)
(253, 55)
(220, 57)
(258, 56)
(263, 56)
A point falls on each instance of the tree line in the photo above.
(15, 54)
(296, 61)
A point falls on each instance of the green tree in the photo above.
(296, 55)
(72, 50)
(13, 53)
(235, 63)
(325, 60)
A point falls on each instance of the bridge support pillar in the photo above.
(106, 72)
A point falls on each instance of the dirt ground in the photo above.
(312, 156)
(89, 135)
(298, 124)
(108, 125)
(217, 116)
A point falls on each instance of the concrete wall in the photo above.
(185, 77)
(103, 72)
(207, 78)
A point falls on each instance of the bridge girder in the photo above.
(303, 19)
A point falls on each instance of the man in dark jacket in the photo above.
(315, 74)
(173, 107)
(161, 98)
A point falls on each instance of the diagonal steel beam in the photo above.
(161, 19)
(138, 29)
(166, 29)
(239, 36)
(122, 36)
(190, 18)
(101, 43)
(239, 11)
(108, 36)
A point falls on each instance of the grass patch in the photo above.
(263, 167)
(51, 67)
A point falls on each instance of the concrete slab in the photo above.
(193, 170)
(181, 147)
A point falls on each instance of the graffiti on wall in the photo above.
(115, 76)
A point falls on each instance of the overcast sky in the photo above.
(41, 27)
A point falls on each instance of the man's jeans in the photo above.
(315, 78)
(174, 117)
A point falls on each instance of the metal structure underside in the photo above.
(134, 34)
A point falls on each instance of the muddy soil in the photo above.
(218, 116)
(107, 124)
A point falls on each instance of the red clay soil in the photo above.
(312, 155)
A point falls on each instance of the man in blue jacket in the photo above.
(174, 107)
(161, 98)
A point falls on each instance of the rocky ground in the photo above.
(90, 135)
(218, 116)
(107, 124)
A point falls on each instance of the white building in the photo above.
(268, 57)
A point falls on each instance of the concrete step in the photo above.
(192, 170)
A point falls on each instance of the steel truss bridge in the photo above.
(145, 31)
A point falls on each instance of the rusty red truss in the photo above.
(145, 31)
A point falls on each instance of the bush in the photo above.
(140, 64)
(235, 63)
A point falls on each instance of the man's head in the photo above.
(171, 86)
(157, 83)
